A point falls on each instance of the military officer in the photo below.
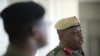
(24, 25)
(70, 36)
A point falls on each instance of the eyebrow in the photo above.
(76, 28)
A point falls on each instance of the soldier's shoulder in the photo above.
(54, 51)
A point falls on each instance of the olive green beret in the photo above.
(66, 23)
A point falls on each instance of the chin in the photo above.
(80, 47)
(42, 45)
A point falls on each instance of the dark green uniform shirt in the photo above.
(59, 51)
(14, 51)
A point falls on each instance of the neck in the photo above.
(26, 48)
(30, 49)
(27, 44)
(30, 46)
(66, 46)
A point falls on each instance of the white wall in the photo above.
(3, 35)
(14, 1)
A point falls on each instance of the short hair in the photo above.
(20, 17)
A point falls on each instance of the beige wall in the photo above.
(89, 13)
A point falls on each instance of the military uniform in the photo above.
(59, 51)
(14, 51)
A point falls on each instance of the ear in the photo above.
(34, 31)
(61, 37)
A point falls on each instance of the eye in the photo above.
(80, 30)
(74, 32)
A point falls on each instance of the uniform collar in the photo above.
(74, 52)
(14, 50)
(61, 45)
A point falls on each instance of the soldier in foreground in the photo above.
(24, 25)
(70, 36)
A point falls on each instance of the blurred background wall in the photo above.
(86, 10)
(89, 13)
(3, 35)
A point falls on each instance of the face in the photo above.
(31, 46)
(72, 38)
(39, 34)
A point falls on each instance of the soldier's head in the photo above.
(23, 22)
(69, 32)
